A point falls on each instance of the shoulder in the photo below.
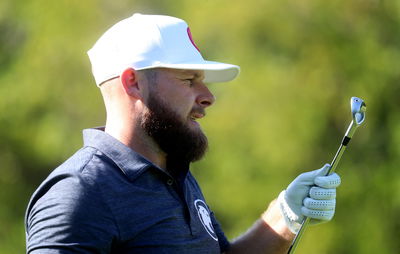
(70, 193)
(78, 179)
(65, 180)
(191, 180)
(67, 200)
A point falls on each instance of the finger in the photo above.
(318, 214)
(329, 182)
(314, 204)
(322, 193)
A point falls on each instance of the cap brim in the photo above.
(214, 72)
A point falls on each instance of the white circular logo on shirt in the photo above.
(204, 216)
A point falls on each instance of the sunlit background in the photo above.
(301, 62)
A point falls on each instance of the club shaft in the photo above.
(346, 139)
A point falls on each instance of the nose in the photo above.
(205, 98)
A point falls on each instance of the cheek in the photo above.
(183, 109)
(179, 97)
(181, 103)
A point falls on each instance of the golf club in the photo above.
(358, 109)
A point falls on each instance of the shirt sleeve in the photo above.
(67, 215)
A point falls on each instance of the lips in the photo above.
(197, 115)
(194, 116)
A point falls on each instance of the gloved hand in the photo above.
(311, 194)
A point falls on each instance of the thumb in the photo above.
(324, 170)
(308, 177)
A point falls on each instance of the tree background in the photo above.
(301, 61)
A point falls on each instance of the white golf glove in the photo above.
(311, 194)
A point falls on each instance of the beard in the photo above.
(181, 143)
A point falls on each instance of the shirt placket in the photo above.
(184, 198)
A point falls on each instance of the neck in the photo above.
(136, 138)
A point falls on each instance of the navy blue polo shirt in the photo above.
(107, 198)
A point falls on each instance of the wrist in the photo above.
(274, 218)
(292, 219)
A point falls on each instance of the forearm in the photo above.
(269, 234)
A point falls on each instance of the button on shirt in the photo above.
(107, 198)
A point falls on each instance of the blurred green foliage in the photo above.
(286, 113)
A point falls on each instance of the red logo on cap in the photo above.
(191, 39)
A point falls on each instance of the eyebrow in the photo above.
(194, 73)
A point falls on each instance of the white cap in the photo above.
(152, 41)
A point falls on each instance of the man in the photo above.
(129, 189)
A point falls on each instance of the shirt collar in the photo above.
(131, 163)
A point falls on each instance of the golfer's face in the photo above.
(185, 93)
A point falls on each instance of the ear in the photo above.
(129, 80)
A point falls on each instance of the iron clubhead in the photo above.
(358, 109)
